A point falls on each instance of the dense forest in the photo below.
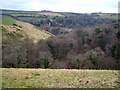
(77, 41)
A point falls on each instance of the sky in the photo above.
(78, 6)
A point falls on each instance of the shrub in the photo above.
(98, 30)
(46, 63)
(75, 63)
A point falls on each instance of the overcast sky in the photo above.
(79, 6)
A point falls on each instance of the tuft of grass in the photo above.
(59, 78)
(2, 29)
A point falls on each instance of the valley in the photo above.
(47, 49)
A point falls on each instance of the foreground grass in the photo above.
(59, 78)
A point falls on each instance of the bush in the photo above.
(98, 30)
(46, 63)
(74, 63)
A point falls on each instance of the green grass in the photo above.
(25, 14)
(69, 13)
(59, 78)
(110, 17)
(7, 20)
(52, 14)
(49, 14)
(30, 18)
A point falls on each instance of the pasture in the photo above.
(7, 20)
(59, 78)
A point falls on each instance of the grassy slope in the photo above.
(6, 35)
(6, 20)
(22, 28)
(59, 78)
(33, 32)
(10, 36)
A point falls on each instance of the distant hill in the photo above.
(48, 18)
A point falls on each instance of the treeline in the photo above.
(75, 50)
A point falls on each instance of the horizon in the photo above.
(51, 11)
(76, 6)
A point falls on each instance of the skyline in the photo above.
(78, 6)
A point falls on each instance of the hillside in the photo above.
(24, 29)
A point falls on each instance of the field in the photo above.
(35, 16)
(7, 20)
(52, 14)
(109, 17)
(24, 14)
(59, 78)
(30, 18)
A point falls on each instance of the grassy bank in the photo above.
(7, 20)
(59, 78)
